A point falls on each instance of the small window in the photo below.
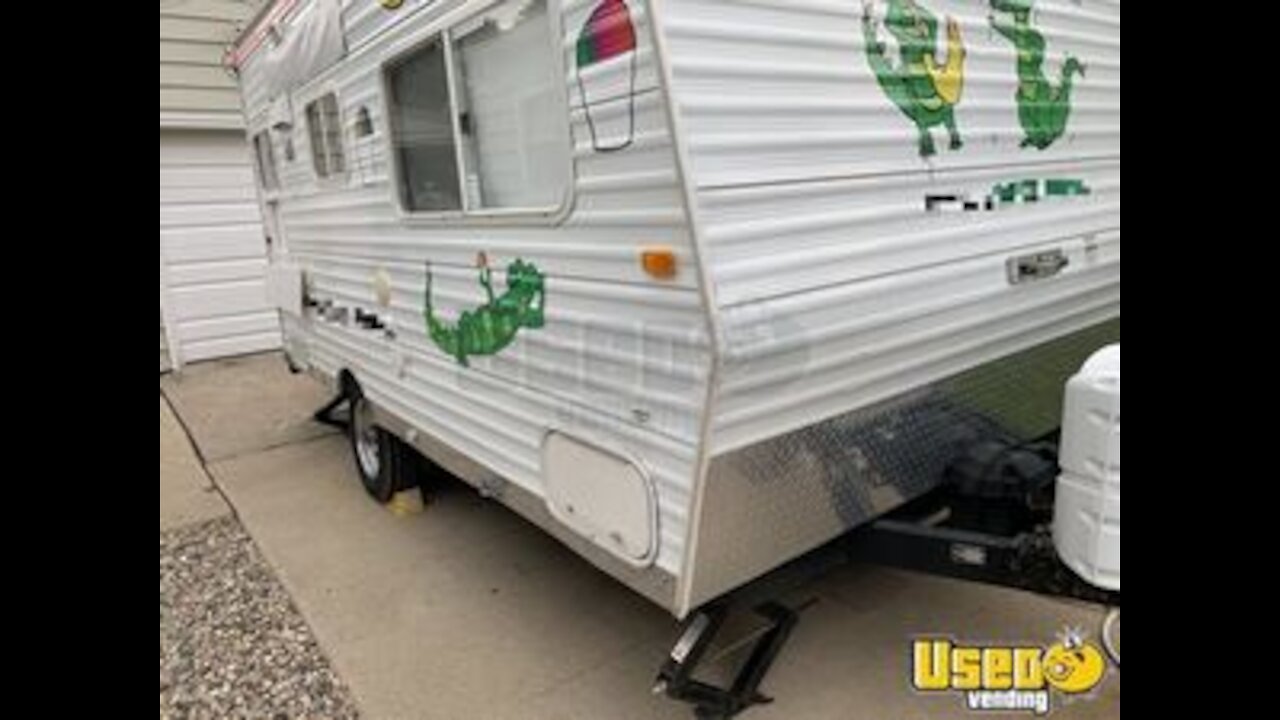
(504, 122)
(324, 126)
(265, 161)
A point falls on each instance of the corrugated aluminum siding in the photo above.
(836, 288)
(621, 356)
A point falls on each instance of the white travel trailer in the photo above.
(694, 285)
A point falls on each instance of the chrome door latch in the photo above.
(1036, 266)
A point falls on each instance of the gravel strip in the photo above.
(231, 642)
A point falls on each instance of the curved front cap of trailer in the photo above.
(293, 50)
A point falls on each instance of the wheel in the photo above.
(1111, 635)
(385, 465)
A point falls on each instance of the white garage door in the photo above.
(212, 251)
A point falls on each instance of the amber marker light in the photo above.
(659, 262)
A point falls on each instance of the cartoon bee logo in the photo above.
(1073, 665)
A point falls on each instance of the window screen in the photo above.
(423, 131)
(505, 120)
(513, 130)
(324, 126)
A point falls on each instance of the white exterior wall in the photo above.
(622, 358)
(195, 90)
(834, 286)
(212, 250)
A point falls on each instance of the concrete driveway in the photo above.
(466, 611)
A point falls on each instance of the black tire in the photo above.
(384, 464)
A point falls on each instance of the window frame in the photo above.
(316, 101)
(441, 30)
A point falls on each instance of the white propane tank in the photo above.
(1086, 516)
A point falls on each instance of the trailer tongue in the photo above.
(995, 518)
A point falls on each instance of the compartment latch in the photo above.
(1036, 266)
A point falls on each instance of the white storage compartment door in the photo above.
(602, 496)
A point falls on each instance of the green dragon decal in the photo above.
(1042, 108)
(923, 90)
(494, 325)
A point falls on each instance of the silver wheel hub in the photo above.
(366, 439)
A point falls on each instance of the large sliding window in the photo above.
(478, 122)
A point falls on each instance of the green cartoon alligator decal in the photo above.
(492, 326)
(1042, 108)
(923, 90)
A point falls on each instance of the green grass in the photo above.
(1023, 392)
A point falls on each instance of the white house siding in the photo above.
(210, 232)
(212, 247)
(195, 91)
